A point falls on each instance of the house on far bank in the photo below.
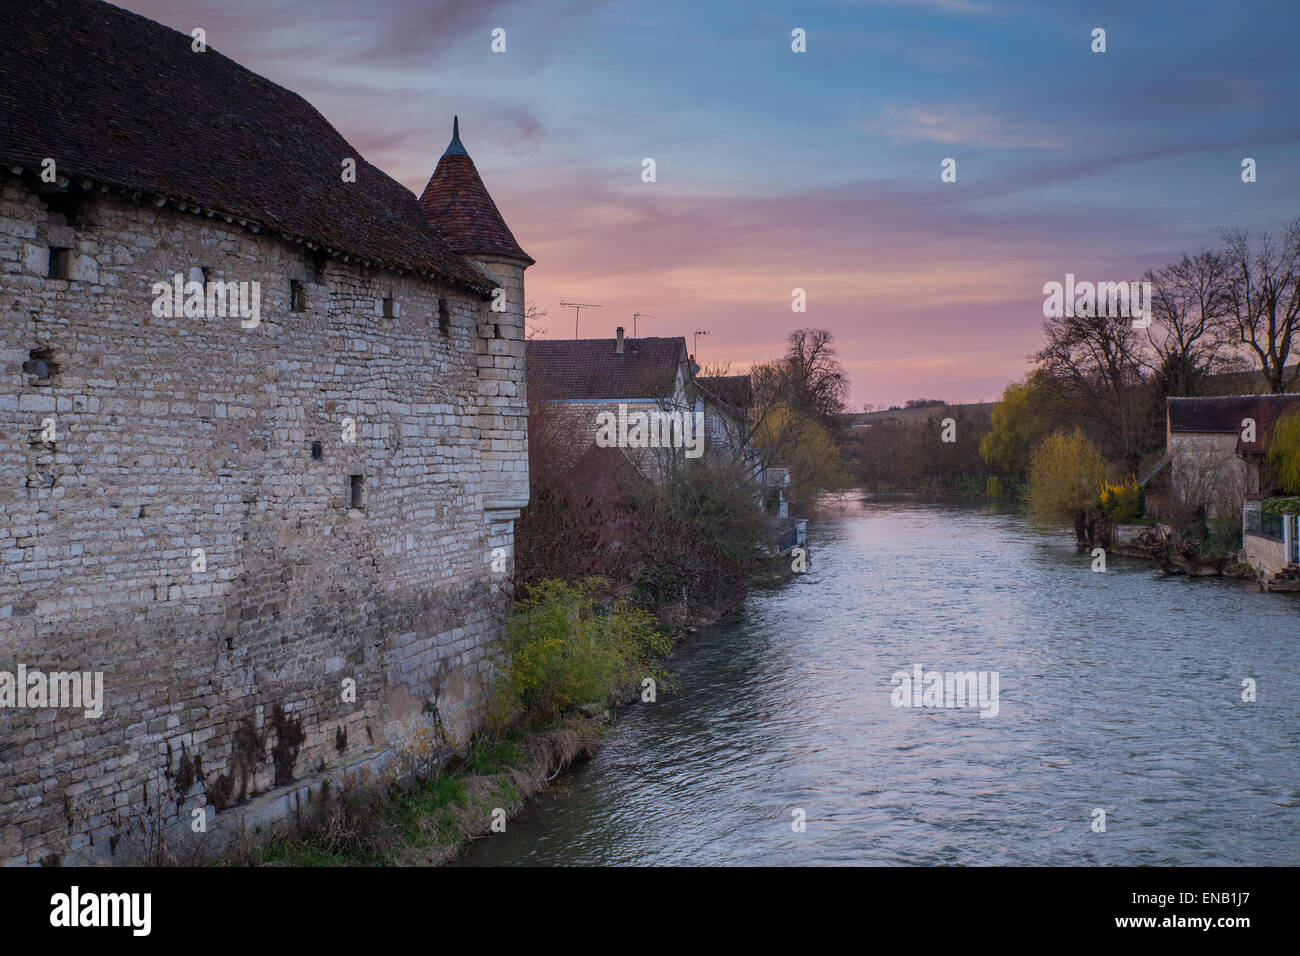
(727, 403)
(595, 381)
(591, 382)
(1214, 456)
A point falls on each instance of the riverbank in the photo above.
(430, 819)
(435, 818)
(1157, 543)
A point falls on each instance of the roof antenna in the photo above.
(695, 342)
(577, 308)
(637, 315)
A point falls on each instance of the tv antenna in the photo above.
(577, 308)
(637, 315)
(695, 342)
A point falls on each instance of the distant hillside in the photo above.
(979, 410)
(1229, 383)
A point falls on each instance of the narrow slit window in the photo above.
(297, 297)
(59, 262)
(357, 492)
(444, 317)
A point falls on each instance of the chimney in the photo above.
(618, 342)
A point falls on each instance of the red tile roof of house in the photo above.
(591, 369)
(736, 390)
(1225, 414)
(118, 100)
(459, 206)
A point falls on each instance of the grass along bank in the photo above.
(571, 656)
(436, 820)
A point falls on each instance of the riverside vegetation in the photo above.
(1071, 437)
(572, 653)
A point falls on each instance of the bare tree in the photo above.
(808, 377)
(1264, 293)
(532, 319)
(1091, 361)
(1187, 336)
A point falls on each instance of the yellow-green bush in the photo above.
(569, 644)
(1121, 502)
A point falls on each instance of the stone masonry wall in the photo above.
(1264, 554)
(175, 434)
(503, 406)
(1194, 453)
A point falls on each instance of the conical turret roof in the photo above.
(462, 210)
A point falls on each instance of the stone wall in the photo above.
(224, 673)
(502, 403)
(1264, 554)
(1206, 459)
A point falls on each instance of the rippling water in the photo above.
(1119, 690)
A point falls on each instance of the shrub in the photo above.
(1121, 503)
(570, 644)
(696, 531)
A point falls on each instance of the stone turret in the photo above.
(462, 210)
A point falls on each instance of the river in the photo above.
(1118, 691)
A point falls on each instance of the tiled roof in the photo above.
(578, 369)
(736, 390)
(118, 100)
(1225, 415)
(458, 204)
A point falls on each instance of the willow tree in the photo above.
(1066, 472)
(1019, 420)
(1283, 454)
(803, 444)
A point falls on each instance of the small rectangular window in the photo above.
(390, 308)
(444, 317)
(40, 365)
(60, 259)
(356, 492)
(297, 298)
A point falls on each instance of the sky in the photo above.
(820, 170)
